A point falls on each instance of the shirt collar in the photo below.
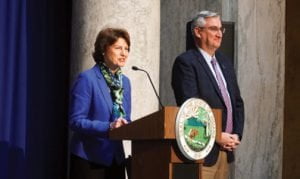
(206, 56)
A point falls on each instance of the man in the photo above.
(205, 73)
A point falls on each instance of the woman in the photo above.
(101, 101)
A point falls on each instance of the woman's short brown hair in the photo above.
(107, 37)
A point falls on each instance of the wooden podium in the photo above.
(154, 146)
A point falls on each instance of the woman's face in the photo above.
(115, 56)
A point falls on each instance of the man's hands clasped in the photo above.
(228, 141)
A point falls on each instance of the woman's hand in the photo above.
(118, 123)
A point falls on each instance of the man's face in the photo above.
(210, 35)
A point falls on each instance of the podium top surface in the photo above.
(158, 125)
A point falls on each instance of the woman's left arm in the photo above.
(127, 96)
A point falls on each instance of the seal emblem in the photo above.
(195, 129)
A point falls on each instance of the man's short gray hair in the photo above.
(199, 19)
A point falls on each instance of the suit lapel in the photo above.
(205, 66)
(104, 89)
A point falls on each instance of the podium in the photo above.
(154, 146)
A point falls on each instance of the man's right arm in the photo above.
(184, 82)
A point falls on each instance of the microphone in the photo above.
(138, 69)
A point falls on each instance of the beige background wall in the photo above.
(142, 20)
(174, 16)
(261, 40)
(259, 65)
(157, 31)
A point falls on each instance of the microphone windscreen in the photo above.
(134, 68)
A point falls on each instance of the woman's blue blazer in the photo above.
(90, 115)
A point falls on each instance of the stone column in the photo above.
(142, 20)
(261, 46)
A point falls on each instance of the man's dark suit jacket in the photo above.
(192, 77)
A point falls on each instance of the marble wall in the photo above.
(259, 63)
(174, 16)
(142, 20)
(261, 41)
(157, 31)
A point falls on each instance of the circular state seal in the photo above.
(195, 129)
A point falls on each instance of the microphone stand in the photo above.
(139, 69)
